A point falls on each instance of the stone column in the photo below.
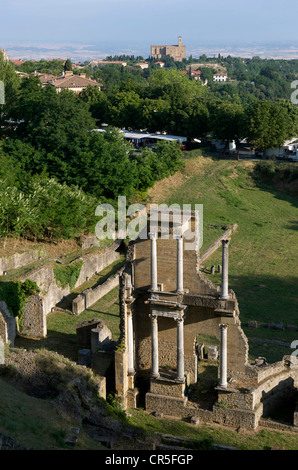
(154, 339)
(223, 356)
(225, 270)
(153, 237)
(180, 350)
(180, 265)
(131, 369)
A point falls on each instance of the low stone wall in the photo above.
(95, 262)
(217, 244)
(36, 310)
(90, 296)
(237, 418)
(51, 293)
(266, 372)
(18, 260)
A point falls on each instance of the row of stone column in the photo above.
(225, 266)
(180, 349)
(180, 321)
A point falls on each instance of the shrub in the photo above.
(14, 294)
(68, 275)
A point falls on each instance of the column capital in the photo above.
(153, 235)
(153, 316)
(178, 236)
(223, 326)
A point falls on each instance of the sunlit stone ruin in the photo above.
(166, 305)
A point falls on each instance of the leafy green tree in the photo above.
(207, 74)
(126, 110)
(182, 96)
(106, 168)
(226, 121)
(267, 125)
(99, 104)
(155, 114)
(67, 65)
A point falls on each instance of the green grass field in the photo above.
(261, 440)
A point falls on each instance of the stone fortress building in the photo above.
(177, 52)
(166, 303)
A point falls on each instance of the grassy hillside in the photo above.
(263, 251)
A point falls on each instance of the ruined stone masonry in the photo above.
(166, 303)
(38, 306)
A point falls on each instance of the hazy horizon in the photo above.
(96, 28)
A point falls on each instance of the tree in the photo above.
(68, 65)
(126, 110)
(226, 121)
(207, 74)
(98, 103)
(267, 125)
(181, 94)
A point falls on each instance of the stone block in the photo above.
(212, 353)
(291, 327)
(84, 357)
(166, 387)
(275, 326)
(71, 436)
(83, 332)
(8, 326)
(195, 420)
(34, 319)
(78, 305)
(100, 337)
(253, 324)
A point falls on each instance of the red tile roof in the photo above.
(74, 81)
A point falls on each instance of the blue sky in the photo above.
(140, 22)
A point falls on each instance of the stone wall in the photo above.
(51, 293)
(19, 260)
(90, 296)
(96, 262)
(167, 267)
(103, 364)
(83, 332)
(34, 322)
(8, 326)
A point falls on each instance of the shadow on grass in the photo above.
(62, 343)
(268, 300)
(279, 178)
(102, 313)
